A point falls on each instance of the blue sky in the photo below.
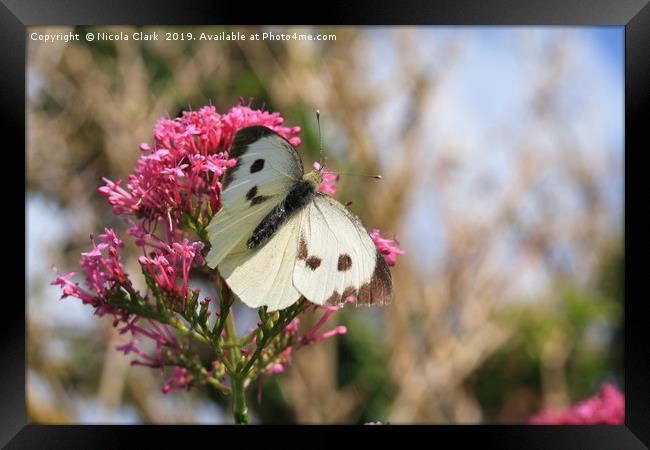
(482, 107)
(611, 41)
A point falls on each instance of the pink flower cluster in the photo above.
(607, 407)
(387, 247)
(181, 170)
(105, 276)
(312, 335)
(104, 272)
(160, 334)
(172, 263)
(180, 378)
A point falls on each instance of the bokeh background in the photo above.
(501, 151)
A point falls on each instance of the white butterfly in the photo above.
(276, 238)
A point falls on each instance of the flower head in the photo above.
(607, 407)
(387, 247)
(180, 172)
(103, 268)
(170, 264)
(180, 378)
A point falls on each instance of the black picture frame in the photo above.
(16, 15)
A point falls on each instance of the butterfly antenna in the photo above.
(320, 140)
(369, 175)
(322, 156)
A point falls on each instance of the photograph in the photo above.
(358, 225)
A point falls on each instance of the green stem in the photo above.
(240, 410)
(249, 338)
(284, 320)
(217, 385)
(176, 323)
(226, 299)
(231, 336)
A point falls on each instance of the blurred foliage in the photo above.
(514, 372)
(364, 356)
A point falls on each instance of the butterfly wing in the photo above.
(262, 276)
(336, 257)
(266, 170)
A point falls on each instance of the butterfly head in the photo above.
(315, 177)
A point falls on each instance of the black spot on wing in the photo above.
(257, 165)
(334, 299)
(344, 263)
(313, 262)
(239, 146)
(259, 199)
(337, 299)
(252, 192)
(302, 249)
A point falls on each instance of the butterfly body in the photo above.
(277, 238)
(298, 197)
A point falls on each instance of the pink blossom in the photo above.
(145, 359)
(121, 200)
(179, 173)
(327, 186)
(275, 368)
(103, 269)
(293, 326)
(129, 347)
(607, 407)
(160, 334)
(387, 247)
(312, 335)
(242, 116)
(104, 273)
(143, 237)
(110, 237)
(171, 262)
(179, 379)
(72, 289)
